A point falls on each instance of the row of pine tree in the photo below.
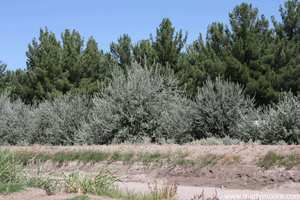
(264, 60)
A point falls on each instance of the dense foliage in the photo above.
(148, 106)
(229, 85)
(265, 61)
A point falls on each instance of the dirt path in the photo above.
(188, 192)
(39, 194)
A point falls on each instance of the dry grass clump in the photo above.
(202, 197)
(168, 190)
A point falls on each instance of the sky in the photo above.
(106, 21)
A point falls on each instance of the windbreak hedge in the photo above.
(144, 105)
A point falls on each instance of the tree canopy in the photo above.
(264, 60)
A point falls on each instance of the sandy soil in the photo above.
(39, 194)
(236, 178)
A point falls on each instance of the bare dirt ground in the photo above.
(244, 177)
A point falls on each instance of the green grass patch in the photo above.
(209, 161)
(8, 166)
(166, 155)
(86, 156)
(271, 159)
(60, 157)
(6, 188)
(81, 197)
(275, 159)
(183, 154)
(127, 157)
(24, 156)
(115, 156)
(149, 157)
(100, 156)
(41, 158)
(182, 161)
(72, 156)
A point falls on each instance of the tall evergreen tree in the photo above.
(122, 51)
(72, 65)
(285, 51)
(43, 64)
(217, 50)
(250, 39)
(95, 67)
(167, 45)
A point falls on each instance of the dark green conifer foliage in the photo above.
(95, 67)
(2, 76)
(250, 38)
(286, 49)
(20, 86)
(43, 64)
(191, 72)
(167, 45)
(218, 39)
(291, 19)
(122, 51)
(72, 65)
(249, 34)
(144, 53)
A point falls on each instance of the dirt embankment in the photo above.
(244, 174)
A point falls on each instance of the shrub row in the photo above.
(144, 105)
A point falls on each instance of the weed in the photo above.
(182, 161)
(86, 156)
(291, 156)
(222, 156)
(127, 157)
(290, 165)
(202, 197)
(49, 187)
(24, 156)
(115, 156)
(236, 158)
(149, 157)
(41, 157)
(97, 185)
(270, 159)
(59, 157)
(168, 190)
(208, 161)
(72, 156)
(81, 197)
(7, 188)
(8, 166)
(100, 156)
(184, 154)
(166, 155)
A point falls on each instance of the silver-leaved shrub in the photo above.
(138, 105)
(282, 122)
(15, 121)
(57, 120)
(220, 106)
